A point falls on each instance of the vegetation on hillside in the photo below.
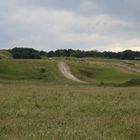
(29, 70)
(102, 72)
(88, 71)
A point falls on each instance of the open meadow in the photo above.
(38, 103)
(69, 69)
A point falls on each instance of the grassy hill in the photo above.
(99, 71)
(38, 103)
(31, 70)
(90, 71)
(5, 54)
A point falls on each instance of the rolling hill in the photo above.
(4, 54)
(38, 102)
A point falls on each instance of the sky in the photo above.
(104, 25)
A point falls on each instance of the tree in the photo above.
(25, 53)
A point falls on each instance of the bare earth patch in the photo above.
(65, 70)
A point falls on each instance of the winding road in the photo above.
(65, 70)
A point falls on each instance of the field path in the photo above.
(65, 70)
(130, 68)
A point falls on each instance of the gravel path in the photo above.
(65, 70)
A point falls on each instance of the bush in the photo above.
(42, 70)
(132, 82)
(101, 83)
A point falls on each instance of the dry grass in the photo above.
(34, 110)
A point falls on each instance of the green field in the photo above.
(98, 71)
(38, 103)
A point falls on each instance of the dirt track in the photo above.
(64, 69)
(129, 67)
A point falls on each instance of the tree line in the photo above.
(30, 53)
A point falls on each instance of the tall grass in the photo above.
(34, 110)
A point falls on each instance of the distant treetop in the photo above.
(30, 53)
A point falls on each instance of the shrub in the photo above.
(42, 70)
(132, 82)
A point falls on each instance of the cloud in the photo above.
(126, 9)
(121, 46)
(81, 24)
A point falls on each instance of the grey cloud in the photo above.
(122, 24)
(126, 9)
(53, 4)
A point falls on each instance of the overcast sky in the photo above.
(78, 24)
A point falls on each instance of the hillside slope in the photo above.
(48, 70)
(103, 72)
(45, 70)
(5, 54)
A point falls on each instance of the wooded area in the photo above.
(30, 53)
